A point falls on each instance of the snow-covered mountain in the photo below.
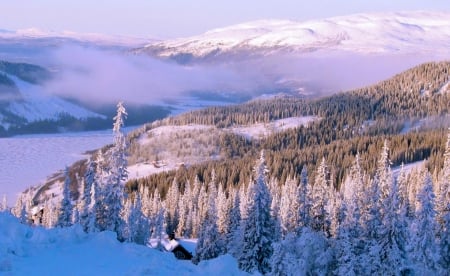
(37, 105)
(31, 104)
(70, 36)
(404, 32)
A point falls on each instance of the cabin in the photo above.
(177, 249)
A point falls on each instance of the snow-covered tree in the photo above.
(289, 207)
(136, 228)
(66, 207)
(49, 218)
(209, 244)
(118, 155)
(184, 204)
(234, 238)
(95, 220)
(158, 220)
(85, 193)
(443, 209)
(303, 200)
(113, 190)
(309, 253)
(392, 231)
(320, 197)
(171, 202)
(223, 212)
(349, 233)
(258, 225)
(424, 250)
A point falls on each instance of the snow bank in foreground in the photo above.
(26, 250)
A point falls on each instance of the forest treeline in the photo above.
(351, 122)
(287, 162)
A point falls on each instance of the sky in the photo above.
(181, 18)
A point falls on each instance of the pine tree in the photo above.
(350, 233)
(113, 191)
(95, 220)
(304, 202)
(443, 208)
(257, 225)
(234, 236)
(209, 244)
(48, 218)
(65, 210)
(289, 207)
(223, 212)
(320, 197)
(136, 227)
(158, 220)
(172, 207)
(85, 194)
(184, 202)
(371, 222)
(392, 231)
(424, 250)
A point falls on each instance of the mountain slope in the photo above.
(23, 100)
(407, 32)
(26, 250)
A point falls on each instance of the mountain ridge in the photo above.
(376, 33)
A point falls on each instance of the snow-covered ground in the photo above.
(371, 33)
(261, 130)
(26, 250)
(27, 160)
(39, 105)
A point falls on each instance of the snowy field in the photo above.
(27, 160)
(257, 131)
(26, 250)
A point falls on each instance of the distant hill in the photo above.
(376, 33)
(26, 107)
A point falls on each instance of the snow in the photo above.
(407, 167)
(416, 32)
(42, 155)
(26, 250)
(103, 39)
(261, 130)
(38, 105)
(445, 88)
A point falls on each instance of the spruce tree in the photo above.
(85, 195)
(392, 232)
(65, 210)
(209, 244)
(113, 191)
(443, 208)
(304, 202)
(258, 225)
(320, 197)
(424, 250)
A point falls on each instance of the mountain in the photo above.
(69, 36)
(382, 33)
(412, 106)
(27, 107)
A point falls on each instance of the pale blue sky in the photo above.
(176, 18)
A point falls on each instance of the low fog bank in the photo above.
(103, 77)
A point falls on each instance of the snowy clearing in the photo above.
(26, 250)
(258, 131)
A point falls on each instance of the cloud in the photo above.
(104, 76)
(100, 76)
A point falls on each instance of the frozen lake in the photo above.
(27, 160)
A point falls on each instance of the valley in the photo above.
(269, 147)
